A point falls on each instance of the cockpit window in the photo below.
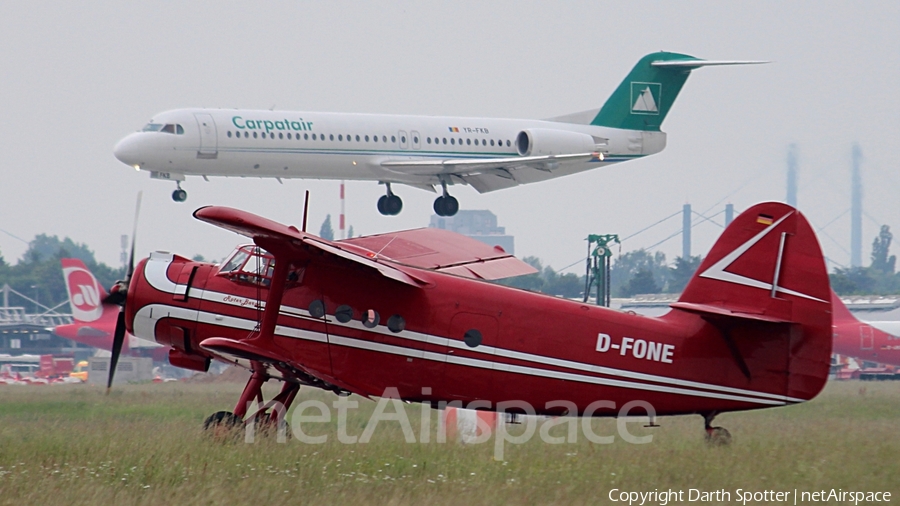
(152, 127)
(249, 264)
(172, 129)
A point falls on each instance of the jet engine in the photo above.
(544, 141)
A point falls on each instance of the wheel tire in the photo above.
(393, 205)
(223, 425)
(382, 205)
(718, 436)
(451, 206)
(179, 195)
(439, 206)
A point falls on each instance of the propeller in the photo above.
(118, 295)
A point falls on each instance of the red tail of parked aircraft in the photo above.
(873, 341)
(95, 321)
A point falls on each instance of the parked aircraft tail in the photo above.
(765, 286)
(85, 293)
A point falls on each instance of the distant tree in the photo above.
(326, 232)
(44, 246)
(880, 249)
(350, 232)
(198, 258)
(533, 282)
(852, 281)
(641, 282)
(567, 285)
(628, 265)
(682, 272)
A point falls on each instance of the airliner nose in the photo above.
(126, 151)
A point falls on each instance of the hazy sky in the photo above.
(77, 77)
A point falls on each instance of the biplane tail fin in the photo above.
(765, 280)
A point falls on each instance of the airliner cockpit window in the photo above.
(179, 130)
(152, 127)
(169, 129)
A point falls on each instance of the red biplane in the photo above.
(411, 310)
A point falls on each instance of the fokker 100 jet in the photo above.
(421, 151)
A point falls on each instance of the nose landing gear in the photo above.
(179, 195)
(389, 204)
(445, 205)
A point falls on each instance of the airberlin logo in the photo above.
(283, 124)
(84, 294)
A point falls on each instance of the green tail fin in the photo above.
(644, 98)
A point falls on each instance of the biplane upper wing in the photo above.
(257, 227)
(444, 251)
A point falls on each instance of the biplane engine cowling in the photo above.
(543, 141)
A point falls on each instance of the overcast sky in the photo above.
(77, 77)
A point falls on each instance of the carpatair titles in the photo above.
(268, 125)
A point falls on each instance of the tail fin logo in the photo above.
(645, 98)
(717, 270)
(84, 294)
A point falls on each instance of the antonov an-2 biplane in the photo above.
(411, 310)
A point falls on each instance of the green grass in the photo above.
(143, 445)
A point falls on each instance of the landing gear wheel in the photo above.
(393, 205)
(179, 195)
(266, 427)
(718, 436)
(446, 205)
(223, 425)
(381, 205)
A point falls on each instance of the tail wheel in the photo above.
(718, 436)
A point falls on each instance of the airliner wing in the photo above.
(489, 174)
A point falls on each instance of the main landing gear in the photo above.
(445, 205)
(179, 195)
(269, 418)
(389, 204)
(715, 436)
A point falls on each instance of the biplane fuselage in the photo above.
(355, 318)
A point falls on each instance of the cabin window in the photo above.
(393, 138)
(415, 140)
(384, 138)
(357, 138)
(370, 318)
(468, 142)
(403, 140)
(445, 140)
(367, 138)
(341, 137)
(152, 127)
(314, 136)
(507, 142)
(280, 135)
(229, 133)
(374, 138)
(317, 308)
(472, 338)
(254, 135)
(331, 137)
(396, 323)
(452, 141)
(343, 313)
(428, 140)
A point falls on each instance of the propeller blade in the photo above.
(118, 340)
(137, 211)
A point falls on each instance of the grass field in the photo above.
(143, 445)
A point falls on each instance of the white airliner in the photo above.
(421, 151)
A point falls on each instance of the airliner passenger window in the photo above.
(452, 141)
(415, 140)
(384, 138)
(280, 135)
(246, 134)
(289, 136)
(393, 138)
(229, 133)
(469, 142)
(341, 137)
(152, 127)
(507, 142)
(331, 137)
(375, 138)
(492, 142)
(254, 135)
(314, 136)
(306, 137)
(357, 138)
(403, 139)
(367, 138)
(428, 140)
